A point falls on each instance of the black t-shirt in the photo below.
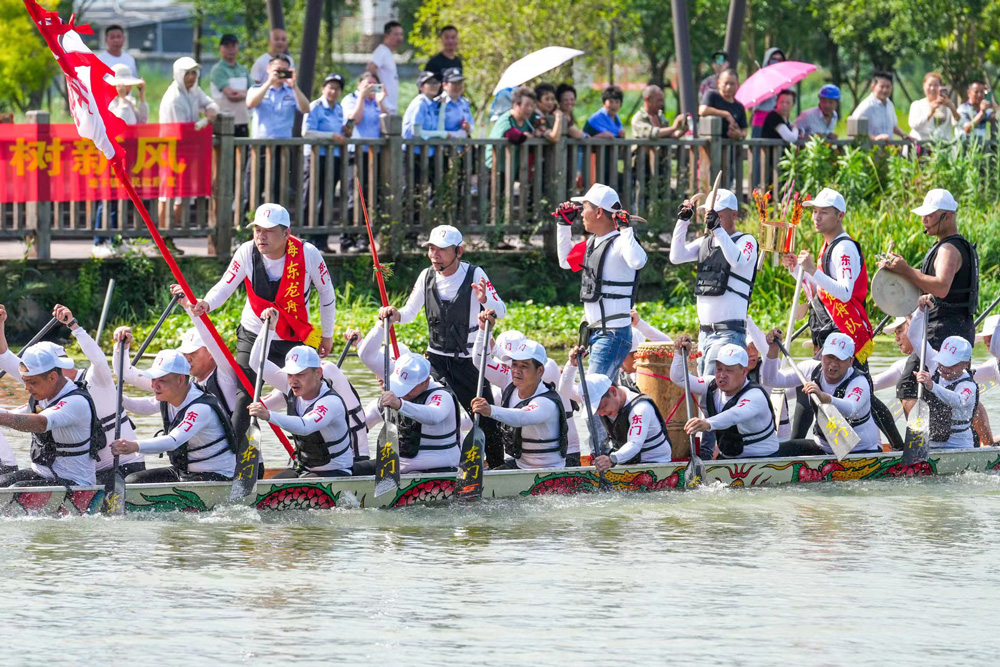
(439, 63)
(714, 99)
(772, 121)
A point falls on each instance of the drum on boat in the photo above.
(652, 375)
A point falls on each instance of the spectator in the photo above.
(977, 113)
(454, 111)
(448, 57)
(605, 123)
(277, 46)
(776, 124)
(722, 103)
(514, 126)
(384, 64)
(933, 118)
(184, 102)
(821, 119)
(720, 63)
(324, 123)
(879, 110)
(421, 116)
(548, 119)
(114, 49)
(649, 121)
(363, 109)
(229, 82)
(566, 94)
(771, 56)
(275, 101)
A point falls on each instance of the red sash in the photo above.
(293, 318)
(851, 318)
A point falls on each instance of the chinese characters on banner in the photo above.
(52, 163)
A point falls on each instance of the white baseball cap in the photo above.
(724, 200)
(895, 324)
(953, 350)
(597, 386)
(191, 342)
(827, 197)
(410, 370)
(638, 338)
(444, 236)
(937, 199)
(506, 342)
(167, 362)
(300, 358)
(839, 345)
(57, 350)
(271, 215)
(601, 196)
(989, 326)
(528, 349)
(733, 355)
(41, 358)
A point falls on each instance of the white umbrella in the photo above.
(535, 64)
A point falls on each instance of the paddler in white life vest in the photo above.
(371, 354)
(736, 408)
(279, 271)
(198, 437)
(427, 418)
(726, 271)
(452, 293)
(531, 413)
(315, 415)
(609, 279)
(834, 380)
(66, 434)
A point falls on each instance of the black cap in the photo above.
(228, 39)
(334, 77)
(452, 74)
(426, 76)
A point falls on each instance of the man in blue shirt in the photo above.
(323, 124)
(605, 123)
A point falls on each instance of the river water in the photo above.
(886, 572)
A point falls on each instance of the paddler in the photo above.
(66, 434)
(837, 290)
(833, 379)
(198, 437)
(452, 293)
(736, 408)
(609, 273)
(315, 415)
(530, 411)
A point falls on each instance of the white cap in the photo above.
(953, 350)
(989, 326)
(300, 358)
(597, 386)
(444, 236)
(271, 215)
(124, 76)
(895, 324)
(839, 345)
(57, 350)
(41, 358)
(601, 196)
(191, 342)
(528, 349)
(937, 200)
(638, 338)
(506, 342)
(733, 355)
(724, 200)
(828, 197)
(167, 362)
(411, 369)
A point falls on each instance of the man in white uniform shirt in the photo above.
(878, 109)
(383, 64)
(277, 46)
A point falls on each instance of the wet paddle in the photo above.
(37, 337)
(695, 471)
(347, 348)
(918, 424)
(597, 444)
(156, 329)
(469, 481)
(245, 479)
(104, 310)
(387, 457)
(986, 313)
(837, 431)
(114, 492)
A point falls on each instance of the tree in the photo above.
(26, 65)
(959, 39)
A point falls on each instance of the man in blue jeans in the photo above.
(610, 273)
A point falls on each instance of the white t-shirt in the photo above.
(925, 127)
(621, 261)
(68, 419)
(741, 254)
(124, 59)
(881, 116)
(383, 59)
(258, 72)
(437, 415)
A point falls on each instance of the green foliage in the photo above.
(26, 66)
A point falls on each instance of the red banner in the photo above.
(53, 163)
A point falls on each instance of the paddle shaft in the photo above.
(689, 403)
(598, 449)
(104, 310)
(881, 325)
(259, 384)
(378, 270)
(923, 353)
(802, 378)
(482, 371)
(118, 403)
(37, 337)
(986, 313)
(347, 348)
(155, 330)
(795, 304)
(386, 329)
(801, 330)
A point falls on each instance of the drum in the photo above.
(893, 294)
(652, 372)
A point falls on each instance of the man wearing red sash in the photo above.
(278, 271)
(837, 290)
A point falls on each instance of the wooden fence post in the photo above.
(38, 215)
(220, 217)
(391, 202)
(857, 127)
(710, 128)
(556, 186)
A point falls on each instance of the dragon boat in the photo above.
(359, 492)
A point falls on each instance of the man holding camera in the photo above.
(274, 102)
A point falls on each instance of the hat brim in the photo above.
(927, 210)
(439, 244)
(268, 224)
(834, 353)
(64, 363)
(401, 389)
(125, 81)
(893, 326)
(294, 369)
(514, 356)
(947, 359)
(189, 347)
(156, 373)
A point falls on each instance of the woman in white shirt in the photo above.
(933, 118)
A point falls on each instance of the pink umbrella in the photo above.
(769, 81)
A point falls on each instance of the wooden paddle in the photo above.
(918, 424)
(245, 479)
(156, 329)
(104, 310)
(598, 445)
(778, 395)
(347, 348)
(37, 337)
(469, 481)
(837, 431)
(695, 471)
(387, 457)
(114, 492)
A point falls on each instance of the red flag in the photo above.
(576, 255)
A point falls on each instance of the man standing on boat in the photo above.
(609, 273)
(452, 293)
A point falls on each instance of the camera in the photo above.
(284, 74)
(377, 88)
